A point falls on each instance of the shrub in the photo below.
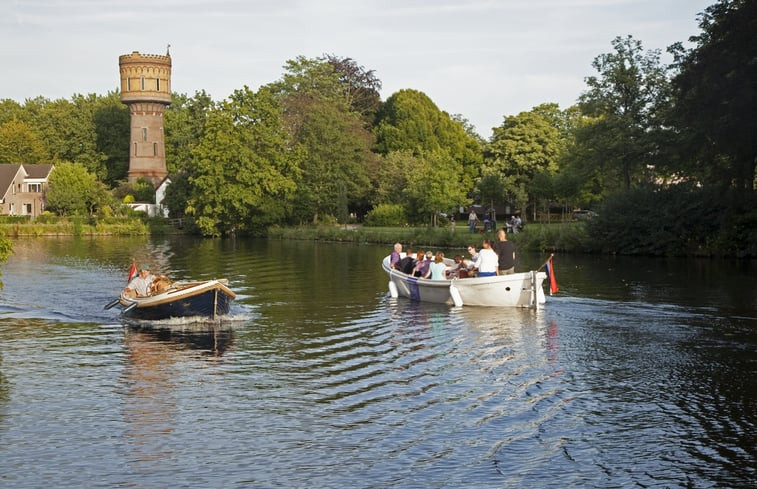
(386, 215)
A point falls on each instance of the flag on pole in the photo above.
(551, 276)
(132, 270)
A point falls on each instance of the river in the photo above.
(639, 373)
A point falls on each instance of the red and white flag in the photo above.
(551, 276)
(132, 270)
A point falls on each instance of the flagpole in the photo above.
(551, 255)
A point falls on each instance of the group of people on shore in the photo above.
(496, 257)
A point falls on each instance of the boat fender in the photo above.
(455, 294)
(393, 293)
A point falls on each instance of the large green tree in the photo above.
(409, 121)
(626, 101)
(185, 122)
(245, 168)
(19, 143)
(73, 190)
(524, 146)
(325, 104)
(716, 98)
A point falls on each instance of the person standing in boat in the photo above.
(487, 261)
(140, 286)
(506, 252)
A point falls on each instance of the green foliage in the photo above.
(523, 147)
(6, 248)
(185, 122)
(144, 191)
(626, 101)
(675, 221)
(716, 98)
(386, 215)
(111, 120)
(245, 168)
(19, 143)
(71, 189)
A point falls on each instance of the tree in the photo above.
(361, 87)
(333, 167)
(324, 103)
(626, 102)
(19, 143)
(523, 147)
(716, 98)
(434, 186)
(6, 248)
(245, 166)
(72, 189)
(410, 121)
(112, 124)
(185, 122)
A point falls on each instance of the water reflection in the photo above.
(154, 376)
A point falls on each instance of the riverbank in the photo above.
(18, 226)
(564, 237)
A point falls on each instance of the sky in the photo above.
(482, 59)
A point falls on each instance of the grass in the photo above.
(566, 237)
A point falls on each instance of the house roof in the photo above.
(7, 174)
(38, 171)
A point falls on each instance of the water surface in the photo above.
(639, 373)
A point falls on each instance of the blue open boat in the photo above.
(210, 298)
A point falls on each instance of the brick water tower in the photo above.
(146, 89)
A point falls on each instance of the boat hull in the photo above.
(211, 298)
(513, 290)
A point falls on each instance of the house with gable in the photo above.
(23, 188)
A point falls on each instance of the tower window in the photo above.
(144, 134)
(143, 83)
(155, 149)
(135, 149)
(157, 81)
(128, 84)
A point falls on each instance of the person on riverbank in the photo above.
(472, 220)
(487, 261)
(505, 251)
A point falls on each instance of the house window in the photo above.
(27, 209)
(34, 187)
(144, 134)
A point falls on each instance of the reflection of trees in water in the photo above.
(155, 371)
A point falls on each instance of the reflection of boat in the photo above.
(514, 290)
(210, 298)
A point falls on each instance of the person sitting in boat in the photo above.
(459, 269)
(143, 284)
(438, 269)
(421, 267)
(407, 263)
(487, 261)
(396, 256)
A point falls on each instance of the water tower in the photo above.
(146, 89)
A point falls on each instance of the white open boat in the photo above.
(514, 290)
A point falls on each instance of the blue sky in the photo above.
(483, 59)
